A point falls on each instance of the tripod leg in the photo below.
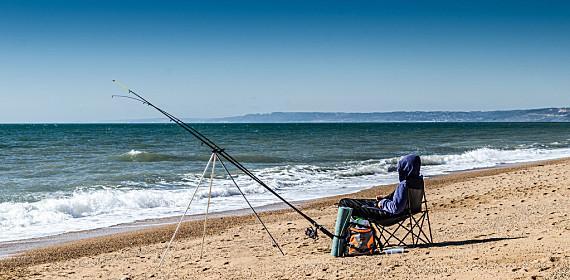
(208, 206)
(185, 212)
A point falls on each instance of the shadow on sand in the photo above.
(465, 242)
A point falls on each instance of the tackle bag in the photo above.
(359, 238)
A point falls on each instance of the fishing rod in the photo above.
(221, 152)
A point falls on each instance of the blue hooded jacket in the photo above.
(409, 176)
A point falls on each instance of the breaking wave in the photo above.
(89, 209)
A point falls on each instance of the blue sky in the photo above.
(223, 58)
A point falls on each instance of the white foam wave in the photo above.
(101, 208)
(486, 157)
(89, 208)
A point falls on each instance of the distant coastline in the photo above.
(529, 115)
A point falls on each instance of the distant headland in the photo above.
(530, 115)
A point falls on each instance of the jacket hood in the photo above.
(409, 167)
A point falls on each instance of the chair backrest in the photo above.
(415, 199)
(415, 194)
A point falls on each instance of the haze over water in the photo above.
(61, 178)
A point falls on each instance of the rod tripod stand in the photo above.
(212, 162)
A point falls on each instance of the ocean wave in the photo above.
(363, 169)
(87, 209)
(490, 157)
(302, 175)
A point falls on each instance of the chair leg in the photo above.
(411, 229)
(427, 216)
(416, 237)
(421, 229)
(385, 235)
(429, 227)
(392, 234)
(419, 225)
(383, 238)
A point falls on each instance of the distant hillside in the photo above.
(532, 115)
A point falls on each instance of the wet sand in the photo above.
(499, 223)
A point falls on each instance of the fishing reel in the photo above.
(312, 233)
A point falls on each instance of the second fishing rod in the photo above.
(221, 152)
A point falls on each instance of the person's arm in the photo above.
(397, 203)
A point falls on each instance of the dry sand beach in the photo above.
(500, 223)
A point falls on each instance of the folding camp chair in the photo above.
(411, 223)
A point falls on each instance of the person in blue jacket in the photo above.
(396, 202)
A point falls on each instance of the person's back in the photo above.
(409, 176)
(395, 203)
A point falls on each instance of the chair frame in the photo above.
(408, 222)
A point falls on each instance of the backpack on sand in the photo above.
(359, 238)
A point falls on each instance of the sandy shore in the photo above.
(501, 223)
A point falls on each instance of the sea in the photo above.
(60, 178)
